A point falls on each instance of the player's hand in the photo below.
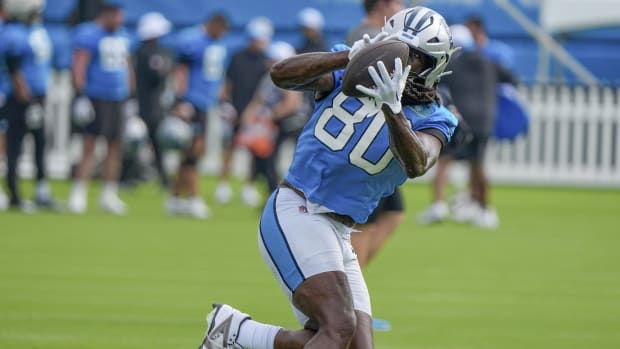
(83, 111)
(184, 110)
(388, 90)
(35, 115)
(365, 41)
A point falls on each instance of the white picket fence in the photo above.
(574, 139)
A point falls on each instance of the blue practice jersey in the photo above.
(206, 59)
(107, 76)
(343, 159)
(32, 48)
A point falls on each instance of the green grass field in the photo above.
(549, 278)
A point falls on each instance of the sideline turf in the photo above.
(549, 278)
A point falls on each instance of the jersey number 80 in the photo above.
(350, 119)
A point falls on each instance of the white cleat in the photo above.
(77, 202)
(436, 212)
(223, 325)
(111, 203)
(223, 193)
(460, 198)
(465, 211)
(250, 196)
(486, 218)
(197, 208)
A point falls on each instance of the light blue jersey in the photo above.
(108, 71)
(343, 160)
(32, 47)
(206, 59)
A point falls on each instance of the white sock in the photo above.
(79, 187)
(254, 335)
(43, 189)
(110, 188)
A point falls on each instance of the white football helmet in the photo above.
(426, 31)
(174, 134)
(22, 10)
(135, 134)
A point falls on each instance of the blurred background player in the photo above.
(389, 214)
(472, 88)
(494, 50)
(201, 59)
(4, 87)
(269, 107)
(246, 69)
(103, 79)
(28, 52)
(153, 65)
(377, 12)
(311, 23)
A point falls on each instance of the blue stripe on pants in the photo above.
(277, 246)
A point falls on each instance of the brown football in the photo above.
(356, 71)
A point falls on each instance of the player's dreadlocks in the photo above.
(416, 93)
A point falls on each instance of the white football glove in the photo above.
(388, 90)
(34, 115)
(83, 111)
(365, 41)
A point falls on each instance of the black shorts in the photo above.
(392, 203)
(473, 149)
(109, 121)
(4, 123)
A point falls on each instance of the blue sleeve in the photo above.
(185, 47)
(84, 38)
(441, 119)
(14, 43)
(338, 74)
(339, 47)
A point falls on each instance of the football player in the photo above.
(245, 71)
(201, 58)
(103, 80)
(352, 152)
(28, 52)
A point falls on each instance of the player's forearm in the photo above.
(411, 150)
(226, 90)
(81, 59)
(181, 77)
(131, 77)
(306, 70)
(78, 79)
(20, 87)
